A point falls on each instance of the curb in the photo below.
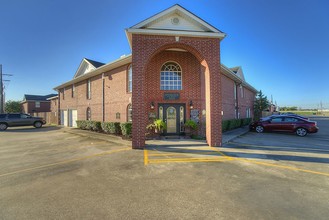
(99, 136)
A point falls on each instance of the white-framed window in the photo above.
(88, 89)
(130, 79)
(248, 113)
(234, 87)
(242, 91)
(73, 90)
(129, 113)
(171, 76)
(63, 92)
(37, 104)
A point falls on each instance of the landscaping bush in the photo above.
(234, 123)
(111, 127)
(126, 128)
(225, 125)
(82, 124)
(95, 126)
(246, 121)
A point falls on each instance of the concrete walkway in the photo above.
(227, 137)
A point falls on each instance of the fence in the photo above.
(50, 117)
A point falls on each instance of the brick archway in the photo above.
(206, 51)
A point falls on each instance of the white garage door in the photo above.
(64, 118)
(73, 118)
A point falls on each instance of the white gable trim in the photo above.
(145, 27)
(171, 10)
(89, 68)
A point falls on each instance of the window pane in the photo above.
(171, 77)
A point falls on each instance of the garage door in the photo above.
(73, 118)
(64, 118)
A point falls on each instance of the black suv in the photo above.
(19, 119)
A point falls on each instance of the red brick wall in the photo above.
(116, 97)
(228, 98)
(191, 80)
(247, 101)
(206, 51)
(29, 107)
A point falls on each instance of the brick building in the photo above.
(36, 103)
(174, 73)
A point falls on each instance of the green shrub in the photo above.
(126, 128)
(191, 124)
(225, 125)
(246, 121)
(96, 125)
(234, 123)
(82, 124)
(111, 127)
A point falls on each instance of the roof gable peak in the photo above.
(175, 21)
(86, 66)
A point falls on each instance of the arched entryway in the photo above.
(200, 66)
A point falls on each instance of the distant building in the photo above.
(36, 103)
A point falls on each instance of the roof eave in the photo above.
(131, 31)
(112, 65)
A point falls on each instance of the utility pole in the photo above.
(1, 92)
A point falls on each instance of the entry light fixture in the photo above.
(152, 105)
(191, 104)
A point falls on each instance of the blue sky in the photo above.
(282, 45)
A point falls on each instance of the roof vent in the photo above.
(175, 21)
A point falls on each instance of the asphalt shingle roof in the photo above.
(95, 63)
(38, 97)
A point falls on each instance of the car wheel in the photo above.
(37, 124)
(259, 129)
(3, 126)
(301, 132)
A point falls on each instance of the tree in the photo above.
(261, 103)
(13, 106)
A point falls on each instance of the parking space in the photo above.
(56, 173)
(306, 154)
(180, 151)
(25, 149)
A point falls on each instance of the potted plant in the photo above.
(190, 126)
(156, 126)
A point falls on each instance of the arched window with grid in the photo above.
(171, 76)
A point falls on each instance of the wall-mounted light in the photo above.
(191, 104)
(152, 105)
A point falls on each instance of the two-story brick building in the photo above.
(36, 103)
(174, 73)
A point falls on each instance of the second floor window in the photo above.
(88, 89)
(73, 90)
(171, 77)
(37, 104)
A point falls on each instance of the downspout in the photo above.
(103, 98)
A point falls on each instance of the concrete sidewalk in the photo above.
(226, 136)
(230, 135)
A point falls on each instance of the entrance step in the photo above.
(175, 137)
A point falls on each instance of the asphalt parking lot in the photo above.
(53, 173)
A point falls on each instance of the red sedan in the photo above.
(285, 123)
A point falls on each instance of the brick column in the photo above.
(213, 95)
(138, 92)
